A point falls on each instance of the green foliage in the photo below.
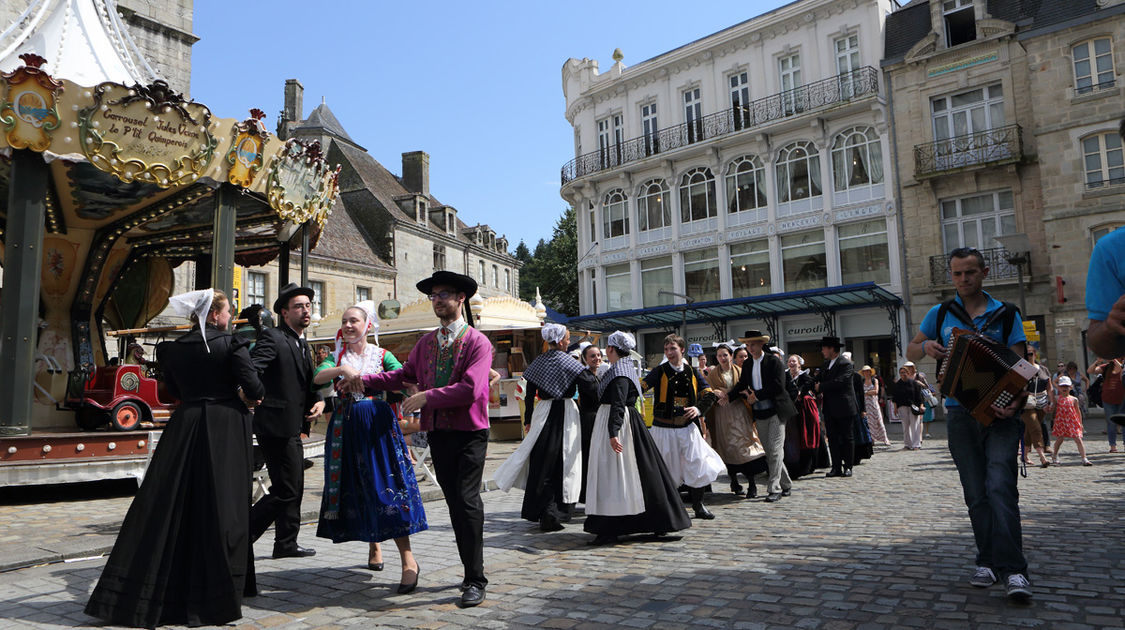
(553, 267)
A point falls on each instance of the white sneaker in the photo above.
(983, 578)
(1018, 587)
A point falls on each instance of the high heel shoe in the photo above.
(404, 588)
(375, 566)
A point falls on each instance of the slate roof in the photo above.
(323, 120)
(343, 240)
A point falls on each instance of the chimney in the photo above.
(294, 107)
(416, 172)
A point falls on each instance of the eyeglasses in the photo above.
(441, 295)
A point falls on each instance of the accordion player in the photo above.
(980, 373)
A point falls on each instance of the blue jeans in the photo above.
(1111, 429)
(986, 462)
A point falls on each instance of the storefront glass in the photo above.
(618, 288)
(863, 252)
(750, 268)
(803, 261)
(701, 274)
(656, 274)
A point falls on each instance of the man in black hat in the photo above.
(835, 386)
(284, 364)
(450, 365)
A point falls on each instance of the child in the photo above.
(1068, 421)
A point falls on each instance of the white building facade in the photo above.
(750, 163)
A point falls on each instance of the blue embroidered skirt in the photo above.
(370, 493)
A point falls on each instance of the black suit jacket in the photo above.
(284, 364)
(773, 385)
(838, 390)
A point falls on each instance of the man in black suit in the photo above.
(763, 376)
(838, 399)
(284, 364)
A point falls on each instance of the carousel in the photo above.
(105, 188)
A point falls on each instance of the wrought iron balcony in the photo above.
(852, 86)
(994, 146)
(995, 259)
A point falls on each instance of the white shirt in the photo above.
(446, 334)
(756, 372)
(832, 362)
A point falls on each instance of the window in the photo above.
(1093, 65)
(439, 257)
(697, 195)
(422, 210)
(857, 165)
(693, 115)
(495, 276)
(362, 294)
(649, 129)
(798, 173)
(618, 288)
(790, 70)
(654, 347)
(593, 227)
(318, 299)
(961, 123)
(480, 265)
(508, 280)
(656, 274)
(803, 261)
(615, 214)
(654, 208)
(701, 274)
(605, 142)
(740, 99)
(618, 131)
(577, 142)
(255, 288)
(1102, 159)
(863, 252)
(1097, 233)
(746, 188)
(750, 268)
(847, 62)
(975, 221)
(960, 22)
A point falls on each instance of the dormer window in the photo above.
(960, 22)
(423, 210)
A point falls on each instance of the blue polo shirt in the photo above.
(951, 321)
(1105, 279)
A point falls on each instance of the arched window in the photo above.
(798, 172)
(857, 158)
(615, 214)
(746, 184)
(697, 195)
(1102, 160)
(654, 207)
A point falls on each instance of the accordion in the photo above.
(980, 373)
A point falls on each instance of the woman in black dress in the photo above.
(183, 553)
(588, 403)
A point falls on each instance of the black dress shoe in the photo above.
(773, 497)
(603, 539)
(786, 493)
(294, 552)
(473, 596)
(702, 512)
(848, 472)
(375, 566)
(550, 525)
(736, 489)
(404, 588)
(834, 473)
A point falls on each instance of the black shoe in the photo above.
(848, 472)
(773, 497)
(736, 489)
(702, 512)
(834, 473)
(294, 552)
(550, 524)
(404, 588)
(603, 539)
(752, 493)
(473, 596)
(375, 566)
(309, 464)
(786, 493)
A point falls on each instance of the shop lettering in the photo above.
(808, 330)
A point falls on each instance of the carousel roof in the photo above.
(82, 40)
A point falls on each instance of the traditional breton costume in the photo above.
(547, 465)
(732, 431)
(588, 404)
(370, 493)
(183, 554)
(690, 460)
(629, 492)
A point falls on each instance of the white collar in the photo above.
(678, 369)
(455, 327)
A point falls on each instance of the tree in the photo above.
(553, 267)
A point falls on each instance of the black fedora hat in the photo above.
(753, 335)
(287, 293)
(832, 342)
(460, 282)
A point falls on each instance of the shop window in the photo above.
(618, 288)
(656, 274)
(864, 255)
(750, 268)
(701, 274)
(803, 261)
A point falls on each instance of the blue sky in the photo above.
(477, 85)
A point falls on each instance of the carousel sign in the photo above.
(27, 112)
(248, 139)
(301, 186)
(146, 134)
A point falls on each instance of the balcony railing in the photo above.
(1003, 144)
(995, 259)
(820, 95)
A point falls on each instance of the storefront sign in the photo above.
(700, 241)
(27, 111)
(614, 257)
(796, 224)
(801, 330)
(146, 134)
(855, 213)
(736, 235)
(651, 250)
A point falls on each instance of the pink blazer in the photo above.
(462, 405)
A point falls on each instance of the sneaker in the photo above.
(1018, 587)
(983, 578)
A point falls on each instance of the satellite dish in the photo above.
(389, 309)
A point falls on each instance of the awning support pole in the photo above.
(222, 244)
(305, 254)
(19, 310)
(282, 266)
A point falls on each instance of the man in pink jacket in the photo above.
(450, 366)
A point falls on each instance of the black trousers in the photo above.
(285, 461)
(459, 466)
(841, 441)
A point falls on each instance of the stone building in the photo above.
(742, 180)
(1005, 118)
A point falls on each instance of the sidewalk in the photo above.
(82, 521)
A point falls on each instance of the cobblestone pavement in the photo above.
(889, 548)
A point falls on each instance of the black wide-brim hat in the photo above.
(288, 292)
(460, 282)
(753, 335)
(832, 342)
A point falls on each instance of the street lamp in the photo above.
(1017, 251)
(683, 309)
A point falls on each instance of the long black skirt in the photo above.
(183, 553)
(543, 493)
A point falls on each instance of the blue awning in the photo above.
(767, 307)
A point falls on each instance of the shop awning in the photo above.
(765, 307)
